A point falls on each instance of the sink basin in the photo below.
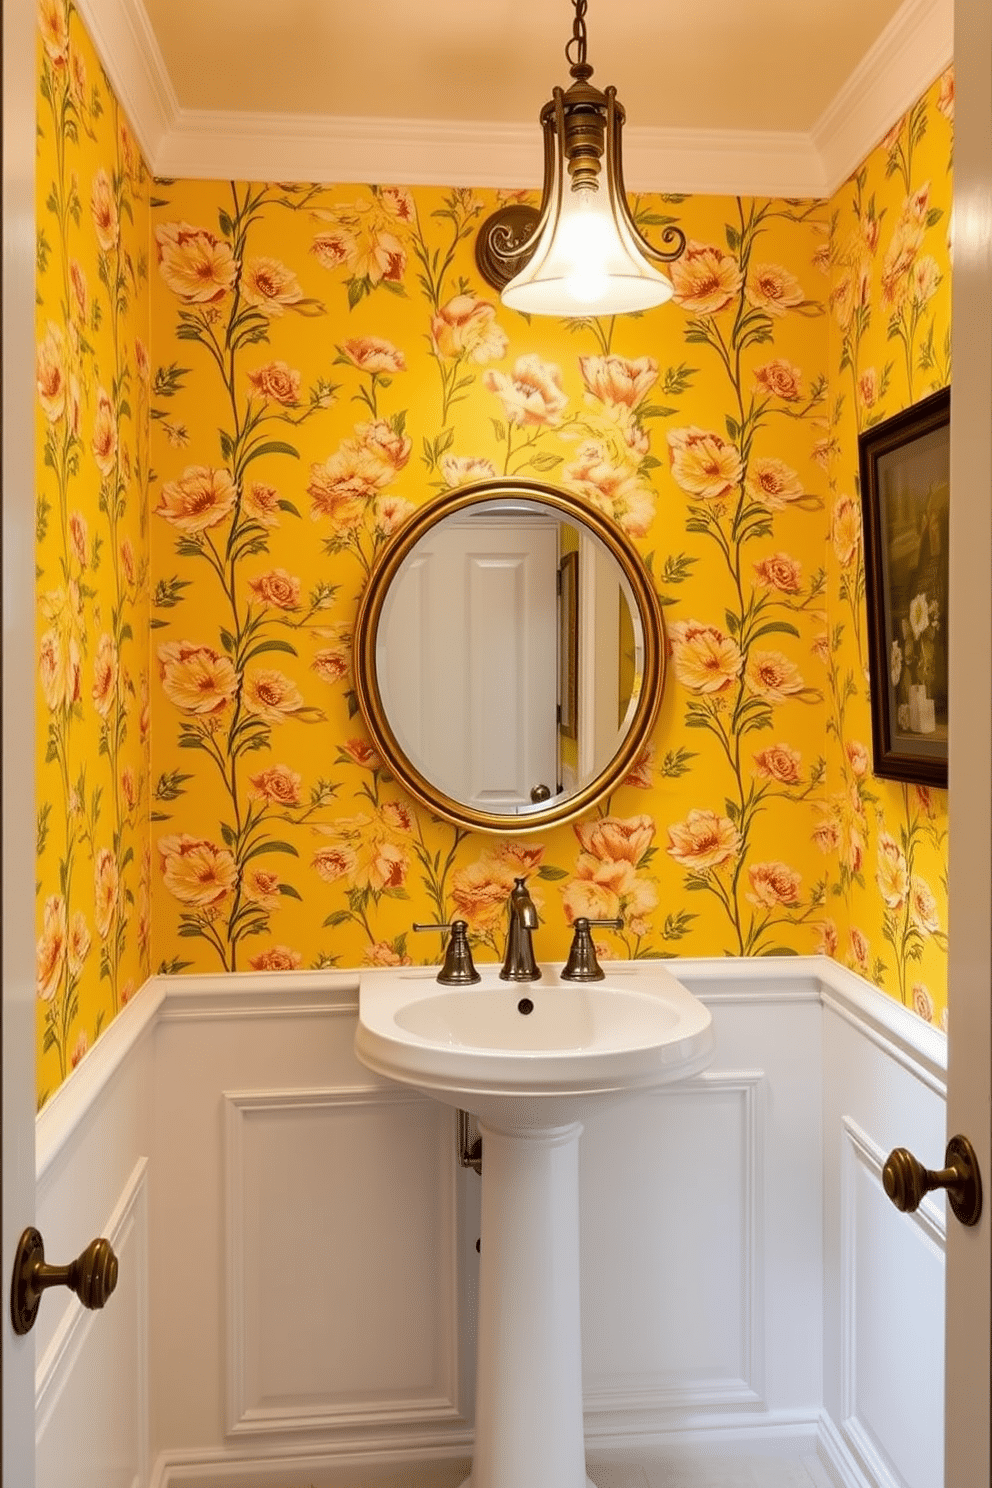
(533, 1045)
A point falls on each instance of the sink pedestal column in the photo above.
(528, 1413)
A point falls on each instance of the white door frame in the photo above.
(966, 1418)
(18, 692)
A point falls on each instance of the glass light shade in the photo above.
(586, 261)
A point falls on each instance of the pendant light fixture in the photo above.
(581, 253)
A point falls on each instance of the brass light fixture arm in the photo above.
(673, 237)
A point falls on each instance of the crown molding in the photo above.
(199, 144)
(914, 49)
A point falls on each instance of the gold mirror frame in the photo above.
(370, 610)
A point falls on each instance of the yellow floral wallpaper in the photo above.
(328, 358)
(93, 864)
(244, 388)
(890, 332)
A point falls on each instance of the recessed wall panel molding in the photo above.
(341, 1268)
(672, 1248)
(892, 1287)
(80, 1384)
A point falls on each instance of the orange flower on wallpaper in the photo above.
(780, 379)
(703, 841)
(197, 266)
(923, 911)
(462, 470)
(108, 884)
(196, 679)
(772, 676)
(261, 503)
(705, 659)
(773, 289)
(270, 695)
(197, 871)
(201, 498)
(276, 958)
(616, 839)
(51, 373)
(893, 874)
(59, 671)
(704, 464)
(705, 279)
(533, 394)
(276, 381)
(773, 885)
(53, 22)
(781, 763)
(105, 673)
(779, 571)
(624, 381)
(374, 354)
(276, 587)
(466, 326)
(104, 441)
(609, 889)
(103, 209)
(846, 530)
(772, 483)
(269, 286)
(277, 786)
(480, 891)
(615, 487)
(52, 948)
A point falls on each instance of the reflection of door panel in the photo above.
(480, 723)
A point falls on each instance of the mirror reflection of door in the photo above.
(468, 659)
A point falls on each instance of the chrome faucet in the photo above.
(518, 959)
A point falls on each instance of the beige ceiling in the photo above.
(687, 64)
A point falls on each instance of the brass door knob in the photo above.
(92, 1276)
(906, 1180)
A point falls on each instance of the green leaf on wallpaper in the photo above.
(499, 429)
(288, 892)
(676, 763)
(656, 410)
(778, 951)
(733, 237)
(676, 568)
(287, 506)
(550, 874)
(339, 917)
(732, 809)
(271, 846)
(677, 925)
(228, 833)
(733, 622)
(357, 289)
(227, 641)
(732, 426)
(780, 627)
(398, 422)
(272, 645)
(545, 461)
(352, 701)
(270, 447)
(41, 833)
(226, 224)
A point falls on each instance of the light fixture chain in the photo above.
(578, 36)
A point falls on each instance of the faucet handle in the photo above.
(458, 969)
(582, 965)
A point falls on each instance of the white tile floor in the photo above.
(646, 1467)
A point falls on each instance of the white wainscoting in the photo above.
(297, 1242)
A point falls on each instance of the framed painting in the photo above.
(905, 499)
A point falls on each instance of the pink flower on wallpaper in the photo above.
(703, 841)
(772, 676)
(772, 483)
(703, 463)
(780, 379)
(779, 762)
(779, 571)
(892, 876)
(51, 373)
(270, 695)
(773, 885)
(773, 289)
(532, 395)
(374, 354)
(619, 380)
(277, 588)
(107, 888)
(276, 786)
(276, 381)
(196, 871)
(706, 660)
(466, 327)
(196, 679)
(103, 210)
(615, 838)
(261, 503)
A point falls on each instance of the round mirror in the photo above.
(509, 655)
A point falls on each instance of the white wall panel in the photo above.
(672, 1252)
(340, 1245)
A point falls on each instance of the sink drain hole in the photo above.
(525, 1005)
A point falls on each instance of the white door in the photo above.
(17, 665)
(481, 723)
(967, 1426)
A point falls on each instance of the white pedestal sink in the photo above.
(531, 1060)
